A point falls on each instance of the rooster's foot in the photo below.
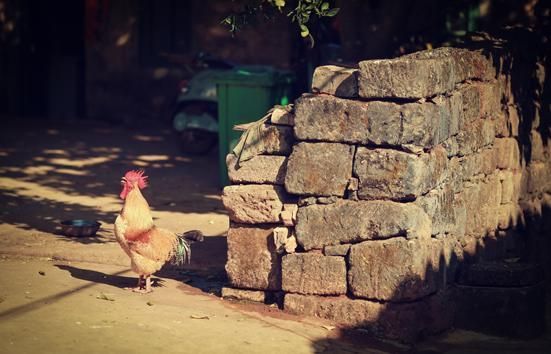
(141, 290)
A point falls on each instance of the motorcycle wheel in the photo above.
(197, 142)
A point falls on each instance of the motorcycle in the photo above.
(195, 116)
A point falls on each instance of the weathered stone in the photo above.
(254, 203)
(475, 136)
(501, 274)
(439, 204)
(505, 311)
(392, 174)
(321, 169)
(446, 253)
(326, 200)
(246, 295)
(422, 74)
(508, 216)
(353, 184)
(305, 273)
(268, 140)
(280, 238)
(507, 186)
(537, 150)
(326, 118)
(539, 176)
(259, 169)
(396, 269)
(253, 261)
(338, 250)
(481, 200)
(508, 153)
(482, 162)
(283, 115)
(406, 322)
(336, 81)
(350, 221)
(291, 244)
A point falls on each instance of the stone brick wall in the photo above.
(400, 172)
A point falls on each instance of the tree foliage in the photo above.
(300, 12)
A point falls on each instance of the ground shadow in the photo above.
(51, 172)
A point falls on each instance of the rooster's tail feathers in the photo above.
(182, 252)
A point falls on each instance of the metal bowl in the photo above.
(79, 227)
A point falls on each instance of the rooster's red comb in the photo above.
(136, 176)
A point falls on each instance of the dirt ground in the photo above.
(63, 295)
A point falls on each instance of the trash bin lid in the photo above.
(254, 75)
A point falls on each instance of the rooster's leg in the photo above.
(147, 288)
(139, 286)
(140, 282)
(148, 284)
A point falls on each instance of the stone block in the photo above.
(305, 273)
(406, 322)
(392, 174)
(336, 81)
(507, 186)
(283, 115)
(481, 202)
(483, 162)
(338, 250)
(475, 136)
(537, 150)
(354, 221)
(439, 204)
(247, 295)
(501, 274)
(420, 75)
(327, 118)
(321, 169)
(508, 153)
(254, 203)
(260, 169)
(504, 311)
(395, 270)
(539, 175)
(253, 261)
(269, 139)
(446, 254)
(508, 216)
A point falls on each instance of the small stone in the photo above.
(280, 237)
(283, 115)
(338, 250)
(336, 81)
(291, 244)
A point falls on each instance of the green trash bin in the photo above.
(244, 96)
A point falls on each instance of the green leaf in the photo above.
(332, 12)
(304, 31)
(279, 3)
(324, 6)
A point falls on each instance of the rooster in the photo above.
(149, 247)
